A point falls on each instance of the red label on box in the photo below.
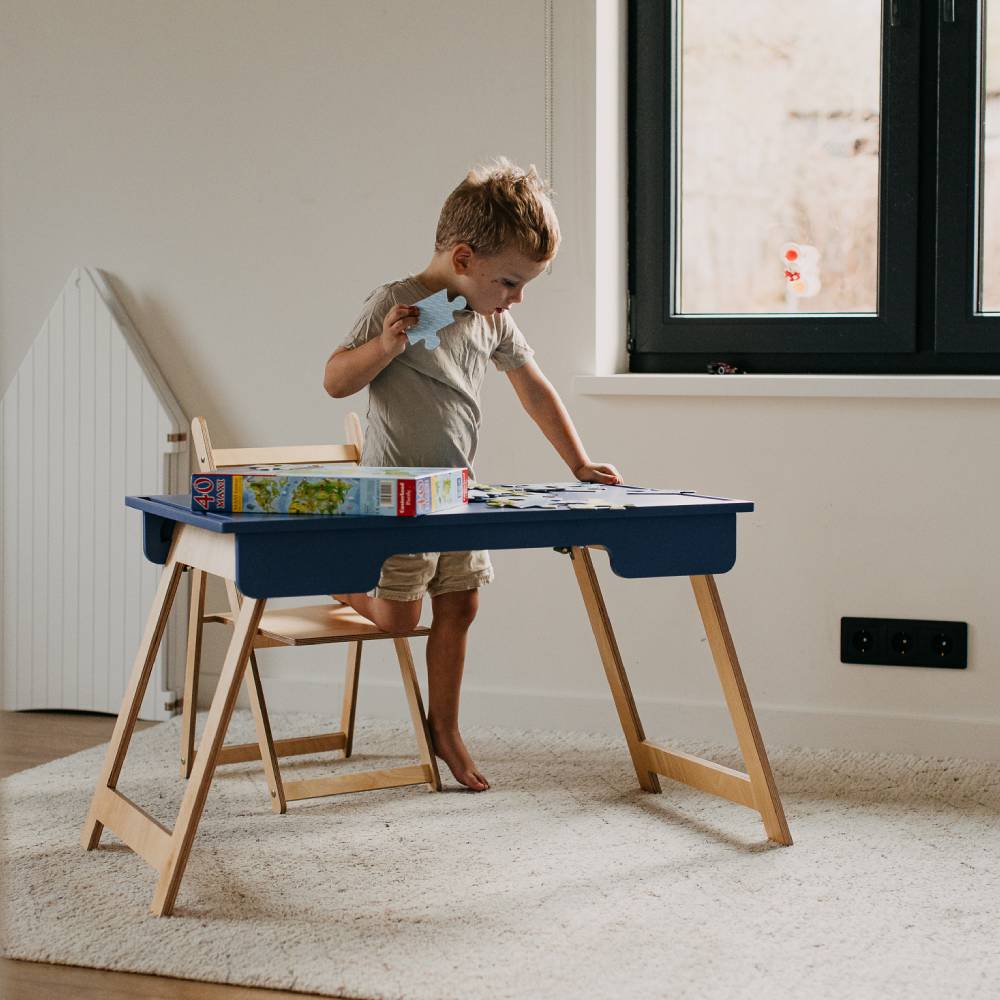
(406, 498)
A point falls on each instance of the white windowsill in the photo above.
(887, 386)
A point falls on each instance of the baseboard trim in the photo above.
(663, 719)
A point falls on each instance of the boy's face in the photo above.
(492, 285)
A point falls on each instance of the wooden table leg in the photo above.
(168, 851)
(755, 789)
(189, 703)
(198, 785)
(145, 658)
(765, 791)
(593, 599)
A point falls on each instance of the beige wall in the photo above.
(247, 171)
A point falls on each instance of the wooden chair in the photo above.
(301, 626)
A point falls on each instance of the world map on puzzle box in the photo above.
(329, 489)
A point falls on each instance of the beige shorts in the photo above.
(408, 577)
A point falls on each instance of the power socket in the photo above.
(904, 642)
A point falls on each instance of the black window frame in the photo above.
(926, 323)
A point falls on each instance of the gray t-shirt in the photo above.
(423, 407)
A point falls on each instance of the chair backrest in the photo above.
(212, 459)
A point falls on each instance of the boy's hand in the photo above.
(594, 472)
(398, 320)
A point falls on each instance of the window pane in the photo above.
(779, 156)
(989, 277)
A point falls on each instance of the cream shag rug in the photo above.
(563, 880)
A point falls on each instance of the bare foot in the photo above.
(449, 746)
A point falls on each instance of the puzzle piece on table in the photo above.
(526, 503)
(652, 489)
(487, 488)
(599, 505)
(543, 488)
(529, 487)
(436, 312)
(537, 495)
(478, 492)
(546, 502)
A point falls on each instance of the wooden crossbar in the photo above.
(285, 454)
(360, 781)
(134, 827)
(705, 775)
(238, 753)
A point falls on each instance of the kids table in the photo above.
(270, 555)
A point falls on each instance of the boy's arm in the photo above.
(350, 369)
(542, 403)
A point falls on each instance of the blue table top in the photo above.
(177, 507)
(287, 555)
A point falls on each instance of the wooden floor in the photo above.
(31, 738)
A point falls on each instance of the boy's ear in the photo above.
(461, 257)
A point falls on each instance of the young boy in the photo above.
(497, 231)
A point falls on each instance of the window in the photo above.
(815, 187)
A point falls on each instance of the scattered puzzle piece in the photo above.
(542, 495)
(597, 505)
(479, 492)
(549, 487)
(436, 312)
(482, 491)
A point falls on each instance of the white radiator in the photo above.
(86, 420)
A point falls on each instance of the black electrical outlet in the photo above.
(904, 642)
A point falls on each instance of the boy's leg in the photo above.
(453, 578)
(401, 586)
(454, 612)
(390, 616)
(446, 644)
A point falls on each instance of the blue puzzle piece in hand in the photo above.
(436, 312)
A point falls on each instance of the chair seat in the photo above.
(316, 623)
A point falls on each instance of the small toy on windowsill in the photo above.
(724, 368)
(436, 312)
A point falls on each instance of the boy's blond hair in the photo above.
(499, 206)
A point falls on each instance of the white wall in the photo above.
(247, 171)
